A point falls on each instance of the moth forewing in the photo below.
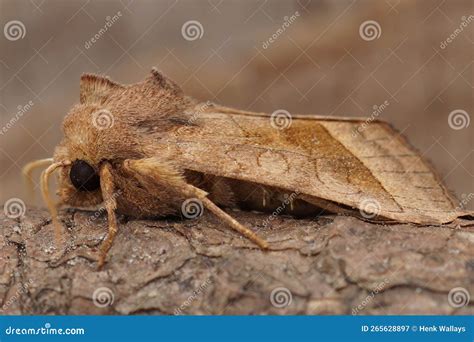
(374, 171)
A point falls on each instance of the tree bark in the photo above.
(326, 265)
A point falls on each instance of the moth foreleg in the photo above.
(165, 174)
(107, 188)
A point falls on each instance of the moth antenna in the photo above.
(108, 195)
(28, 170)
(53, 210)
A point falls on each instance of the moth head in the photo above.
(79, 179)
(89, 130)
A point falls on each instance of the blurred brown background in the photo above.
(302, 56)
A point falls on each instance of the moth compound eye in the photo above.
(83, 176)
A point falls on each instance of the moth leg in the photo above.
(107, 188)
(28, 170)
(47, 198)
(159, 172)
(232, 222)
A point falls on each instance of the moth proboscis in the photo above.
(143, 149)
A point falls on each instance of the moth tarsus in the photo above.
(143, 149)
(107, 189)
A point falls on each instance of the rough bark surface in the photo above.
(328, 265)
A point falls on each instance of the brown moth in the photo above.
(145, 149)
